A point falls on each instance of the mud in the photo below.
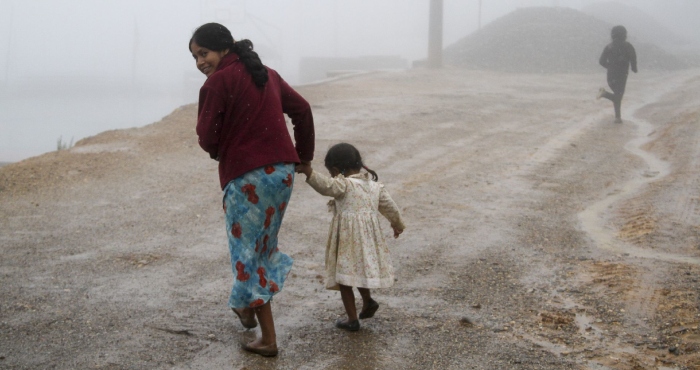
(540, 235)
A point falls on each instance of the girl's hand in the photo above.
(397, 232)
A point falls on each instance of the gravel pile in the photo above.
(547, 40)
(637, 22)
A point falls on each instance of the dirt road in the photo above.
(540, 235)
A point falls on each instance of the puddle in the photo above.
(586, 327)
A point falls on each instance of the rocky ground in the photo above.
(540, 235)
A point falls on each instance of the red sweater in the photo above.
(243, 126)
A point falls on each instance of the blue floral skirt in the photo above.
(254, 204)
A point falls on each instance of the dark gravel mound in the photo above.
(638, 23)
(547, 40)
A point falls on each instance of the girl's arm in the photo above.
(389, 209)
(328, 186)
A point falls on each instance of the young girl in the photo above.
(356, 253)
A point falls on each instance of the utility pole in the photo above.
(479, 14)
(435, 35)
(9, 43)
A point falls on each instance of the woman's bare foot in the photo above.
(257, 347)
(247, 317)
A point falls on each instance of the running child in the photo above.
(617, 57)
(356, 253)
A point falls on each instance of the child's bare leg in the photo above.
(369, 305)
(366, 297)
(348, 297)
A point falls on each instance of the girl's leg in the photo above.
(366, 298)
(348, 297)
(369, 305)
(351, 323)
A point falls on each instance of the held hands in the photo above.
(304, 167)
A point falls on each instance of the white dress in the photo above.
(356, 253)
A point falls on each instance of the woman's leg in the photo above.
(246, 316)
(348, 298)
(266, 345)
(267, 324)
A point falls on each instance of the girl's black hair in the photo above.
(216, 37)
(345, 157)
(618, 33)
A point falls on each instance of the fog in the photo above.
(73, 68)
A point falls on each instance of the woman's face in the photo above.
(207, 60)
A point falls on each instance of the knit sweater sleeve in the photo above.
(210, 118)
(331, 187)
(389, 209)
(299, 111)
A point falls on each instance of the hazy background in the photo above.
(73, 68)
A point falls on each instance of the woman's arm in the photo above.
(210, 119)
(299, 111)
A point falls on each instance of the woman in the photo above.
(241, 125)
(617, 57)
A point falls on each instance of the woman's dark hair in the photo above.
(216, 37)
(345, 157)
(618, 33)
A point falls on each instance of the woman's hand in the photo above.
(397, 232)
(304, 167)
